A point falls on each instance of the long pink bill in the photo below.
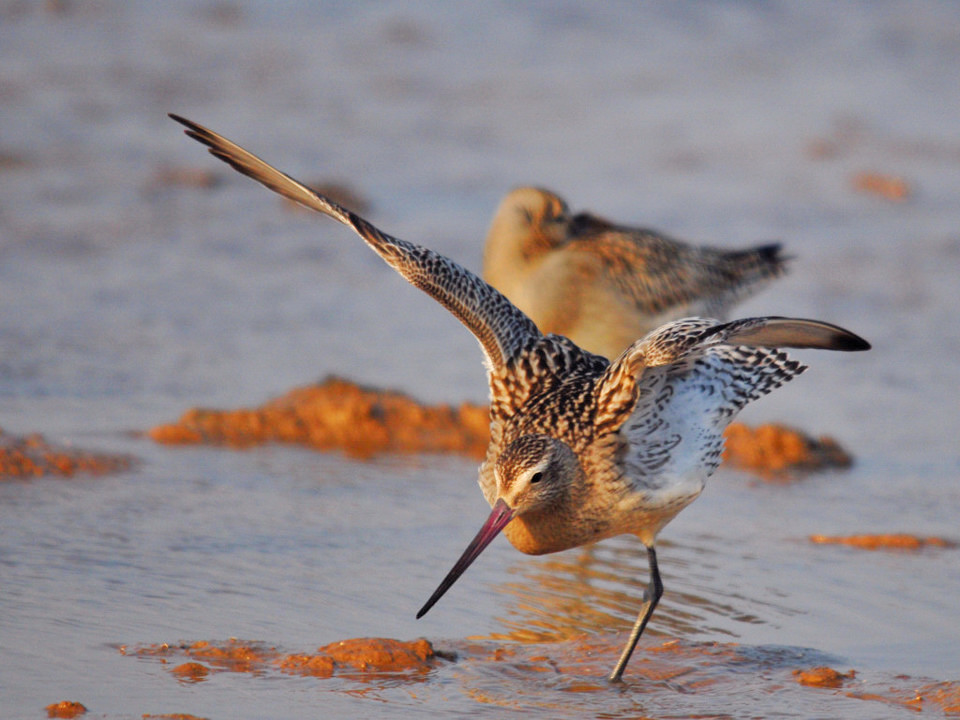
(498, 519)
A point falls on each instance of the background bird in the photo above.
(582, 449)
(605, 285)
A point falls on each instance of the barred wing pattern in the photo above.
(502, 330)
(676, 428)
(672, 394)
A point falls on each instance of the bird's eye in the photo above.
(536, 477)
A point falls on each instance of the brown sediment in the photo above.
(890, 187)
(233, 655)
(32, 456)
(891, 541)
(382, 654)
(337, 414)
(191, 671)
(303, 664)
(363, 654)
(823, 677)
(777, 451)
(65, 709)
(359, 654)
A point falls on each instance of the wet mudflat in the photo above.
(139, 279)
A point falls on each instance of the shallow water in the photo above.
(124, 300)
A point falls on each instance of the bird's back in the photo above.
(605, 285)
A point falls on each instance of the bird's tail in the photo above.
(763, 262)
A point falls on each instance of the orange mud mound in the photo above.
(32, 456)
(895, 541)
(939, 696)
(364, 654)
(380, 653)
(65, 709)
(776, 451)
(823, 677)
(191, 672)
(233, 655)
(337, 414)
(376, 655)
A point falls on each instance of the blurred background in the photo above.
(140, 277)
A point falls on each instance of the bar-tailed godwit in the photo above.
(582, 449)
(604, 285)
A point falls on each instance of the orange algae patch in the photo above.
(381, 654)
(894, 541)
(337, 414)
(365, 654)
(889, 187)
(191, 672)
(775, 451)
(316, 665)
(235, 655)
(32, 456)
(65, 709)
(823, 677)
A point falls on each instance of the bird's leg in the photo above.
(651, 596)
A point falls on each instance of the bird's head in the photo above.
(533, 474)
(529, 222)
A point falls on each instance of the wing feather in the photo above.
(683, 383)
(502, 330)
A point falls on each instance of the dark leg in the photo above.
(651, 598)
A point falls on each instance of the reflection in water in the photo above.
(676, 678)
(599, 590)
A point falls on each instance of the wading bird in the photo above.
(582, 449)
(604, 285)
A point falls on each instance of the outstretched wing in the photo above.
(502, 330)
(671, 394)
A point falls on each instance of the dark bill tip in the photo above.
(497, 520)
